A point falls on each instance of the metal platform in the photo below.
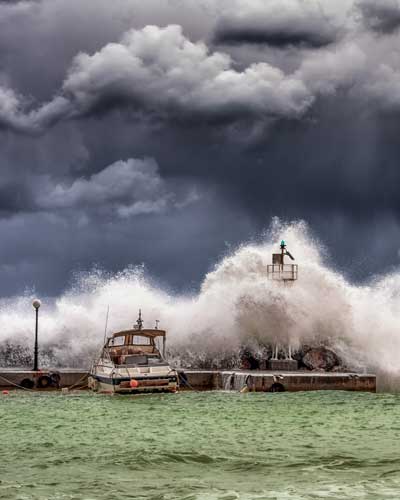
(285, 272)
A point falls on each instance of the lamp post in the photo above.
(36, 304)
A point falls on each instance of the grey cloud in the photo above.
(162, 68)
(159, 70)
(344, 67)
(123, 189)
(13, 116)
(39, 39)
(278, 23)
(381, 16)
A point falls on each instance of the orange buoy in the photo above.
(134, 383)
(6, 393)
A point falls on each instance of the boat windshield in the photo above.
(140, 340)
(122, 340)
(117, 341)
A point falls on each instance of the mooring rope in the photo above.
(34, 390)
(189, 385)
(77, 382)
(185, 381)
(16, 385)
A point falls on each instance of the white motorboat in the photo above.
(133, 361)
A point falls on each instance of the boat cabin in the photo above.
(136, 347)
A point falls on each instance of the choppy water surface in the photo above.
(200, 446)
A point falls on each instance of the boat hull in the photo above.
(123, 385)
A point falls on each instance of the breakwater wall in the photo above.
(235, 380)
(46, 379)
(268, 381)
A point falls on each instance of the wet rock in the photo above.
(249, 362)
(320, 358)
(254, 359)
(299, 354)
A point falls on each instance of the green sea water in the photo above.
(195, 446)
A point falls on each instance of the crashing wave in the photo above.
(237, 309)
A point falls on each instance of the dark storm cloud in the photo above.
(160, 70)
(247, 32)
(15, 197)
(42, 250)
(127, 135)
(382, 16)
(277, 23)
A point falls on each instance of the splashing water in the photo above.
(237, 305)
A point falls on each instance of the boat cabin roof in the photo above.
(144, 332)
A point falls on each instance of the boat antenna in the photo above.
(157, 321)
(139, 322)
(106, 325)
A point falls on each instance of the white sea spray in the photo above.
(237, 305)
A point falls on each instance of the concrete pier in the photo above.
(203, 380)
(29, 379)
(274, 381)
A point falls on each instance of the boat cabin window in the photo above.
(117, 341)
(139, 340)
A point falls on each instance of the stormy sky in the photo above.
(166, 132)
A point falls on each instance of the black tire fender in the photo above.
(55, 379)
(277, 387)
(44, 381)
(27, 383)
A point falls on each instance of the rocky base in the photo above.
(313, 358)
(307, 358)
(321, 358)
(318, 358)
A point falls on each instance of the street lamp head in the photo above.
(36, 303)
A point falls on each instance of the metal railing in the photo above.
(287, 272)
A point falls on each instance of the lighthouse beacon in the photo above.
(286, 274)
(281, 271)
